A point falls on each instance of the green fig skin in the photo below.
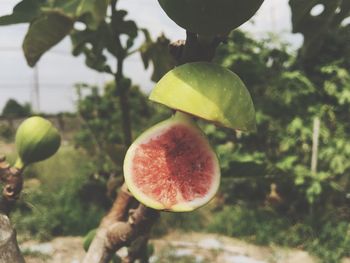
(210, 17)
(207, 91)
(36, 140)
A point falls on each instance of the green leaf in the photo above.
(93, 43)
(69, 8)
(96, 11)
(45, 32)
(157, 53)
(287, 163)
(91, 12)
(313, 191)
(129, 28)
(23, 12)
(123, 26)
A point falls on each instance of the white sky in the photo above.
(58, 70)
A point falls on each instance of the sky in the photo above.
(58, 70)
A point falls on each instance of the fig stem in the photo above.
(183, 116)
(19, 164)
(205, 40)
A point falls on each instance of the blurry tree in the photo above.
(288, 99)
(13, 109)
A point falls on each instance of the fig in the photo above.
(172, 166)
(208, 91)
(210, 17)
(36, 140)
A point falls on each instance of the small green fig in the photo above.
(36, 140)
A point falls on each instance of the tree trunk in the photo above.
(9, 250)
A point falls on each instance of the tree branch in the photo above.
(12, 181)
(9, 250)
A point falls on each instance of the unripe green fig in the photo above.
(210, 17)
(36, 140)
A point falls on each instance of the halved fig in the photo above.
(172, 166)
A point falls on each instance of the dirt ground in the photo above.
(193, 247)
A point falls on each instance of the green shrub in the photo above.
(332, 243)
(6, 132)
(327, 239)
(258, 226)
(58, 203)
(194, 221)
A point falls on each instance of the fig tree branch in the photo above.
(12, 183)
(9, 250)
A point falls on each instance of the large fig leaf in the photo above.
(158, 54)
(45, 32)
(23, 12)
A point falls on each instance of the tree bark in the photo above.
(98, 251)
(115, 233)
(9, 250)
(12, 181)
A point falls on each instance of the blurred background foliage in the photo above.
(269, 194)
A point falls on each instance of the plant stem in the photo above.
(124, 106)
(121, 87)
(9, 250)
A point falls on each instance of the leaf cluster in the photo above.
(287, 101)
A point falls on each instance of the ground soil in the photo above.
(194, 247)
